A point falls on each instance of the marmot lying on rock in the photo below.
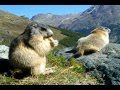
(92, 43)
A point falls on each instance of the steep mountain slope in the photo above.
(10, 26)
(97, 15)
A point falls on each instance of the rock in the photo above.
(4, 62)
(104, 65)
(4, 51)
(63, 52)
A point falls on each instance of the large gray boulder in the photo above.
(105, 65)
(4, 51)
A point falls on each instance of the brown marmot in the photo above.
(28, 51)
(92, 43)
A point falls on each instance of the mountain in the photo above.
(10, 26)
(96, 15)
(51, 19)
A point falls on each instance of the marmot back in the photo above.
(92, 43)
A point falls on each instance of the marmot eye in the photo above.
(106, 28)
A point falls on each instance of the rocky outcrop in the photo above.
(104, 65)
(4, 62)
(4, 51)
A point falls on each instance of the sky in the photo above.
(31, 10)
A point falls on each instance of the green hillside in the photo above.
(10, 26)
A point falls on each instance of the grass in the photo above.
(10, 26)
(72, 74)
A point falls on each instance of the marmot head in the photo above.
(101, 28)
(35, 28)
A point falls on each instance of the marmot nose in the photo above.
(108, 29)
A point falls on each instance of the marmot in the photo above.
(28, 51)
(92, 43)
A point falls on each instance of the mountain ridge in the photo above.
(96, 15)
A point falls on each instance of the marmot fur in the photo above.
(92, 43)
(28, 51)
